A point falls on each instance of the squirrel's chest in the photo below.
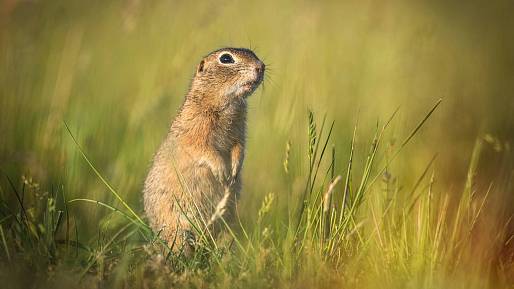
(227, 133)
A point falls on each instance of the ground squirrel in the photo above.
(196, 173)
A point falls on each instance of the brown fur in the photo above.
(196, 173)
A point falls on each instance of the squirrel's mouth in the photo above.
(249, 85)
(252, 84)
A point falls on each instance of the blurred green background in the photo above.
(117, 71)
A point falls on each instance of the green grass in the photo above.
(355, 234)
(357, 174)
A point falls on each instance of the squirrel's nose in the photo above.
(260, 67)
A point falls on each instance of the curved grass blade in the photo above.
(104, 181)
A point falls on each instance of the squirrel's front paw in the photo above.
(216, 164)
(221, 174)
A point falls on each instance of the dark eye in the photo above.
(226, 58)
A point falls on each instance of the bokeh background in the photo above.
(117, 71)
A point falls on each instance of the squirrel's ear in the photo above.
(200, 67)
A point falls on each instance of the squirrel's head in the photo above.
(229, 73)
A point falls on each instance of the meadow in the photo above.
(379, 151)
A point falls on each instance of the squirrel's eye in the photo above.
(226, 58)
